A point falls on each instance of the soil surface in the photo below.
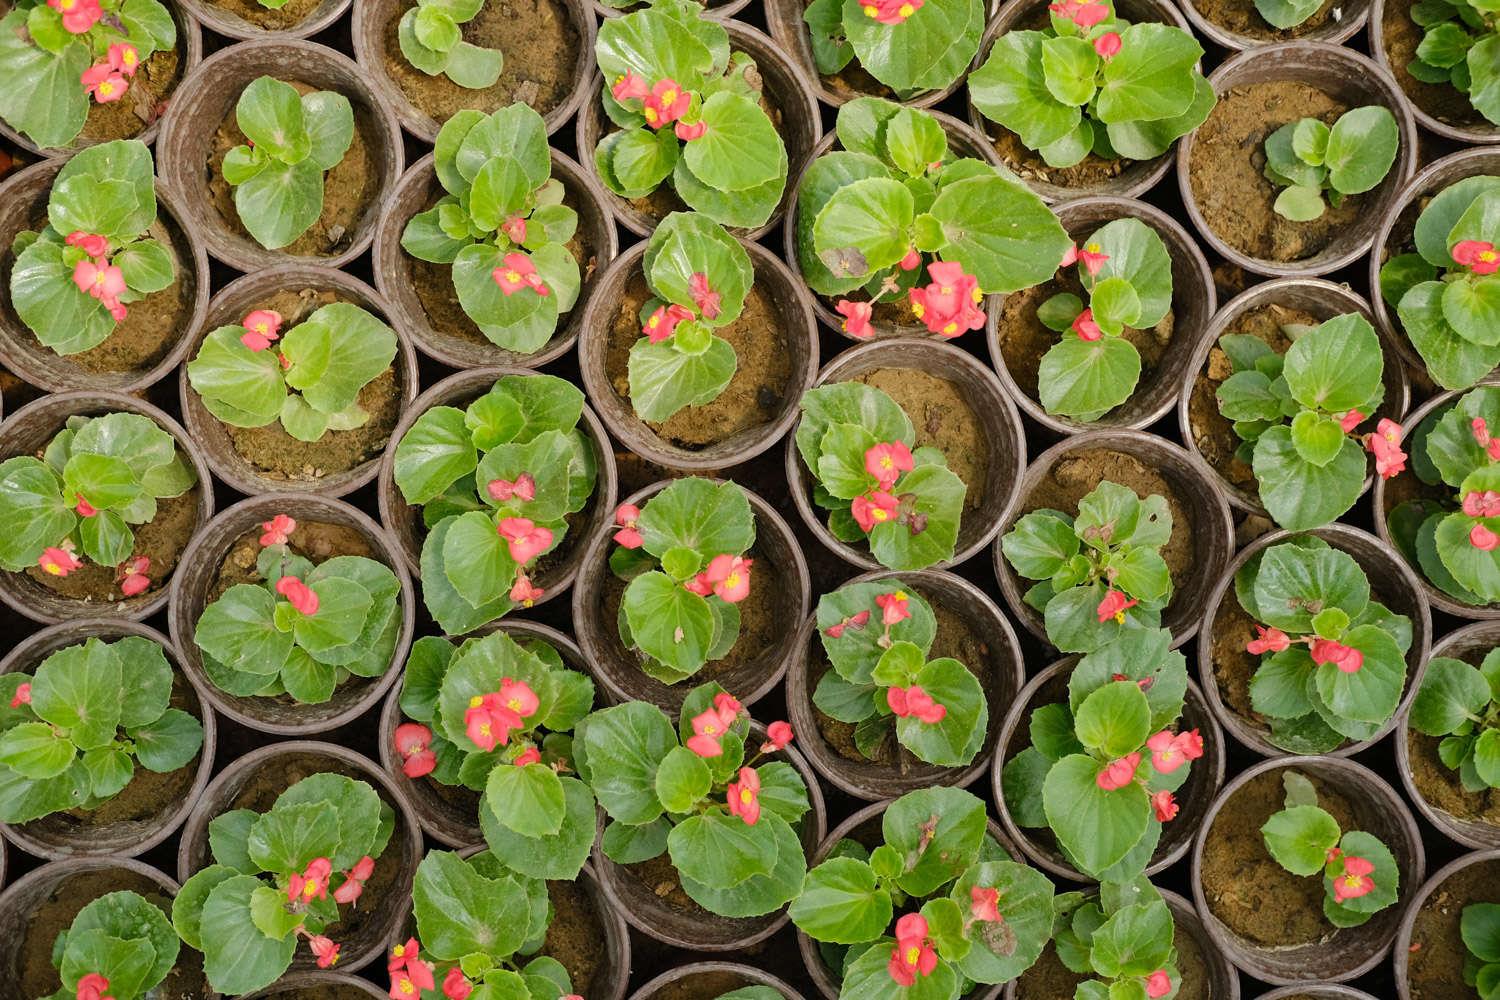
(1401, 36)
(316, 541)
(1440, 786)
(537, 38)
(575, 937)
(284, 18)
(755, 395)
(331, 991)
(145, 99)
(701, 986)
(1435, 964)
(161, 540)
(942, 419)
(1241, 18)
(1028, 164)
(1233, 194)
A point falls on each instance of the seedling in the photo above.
(1457, 702)
(1460, 46)
(908, 45)
(1122, 939)
(1479, 926)
(431, 38)
(1312, 161)
(119, 946)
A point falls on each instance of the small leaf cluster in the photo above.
(237, 910)
(107, 190)
(1290, 410)
(1121, 938)
(311, 385)
(1286, 14)
(92, 712)
(1479, 926)
(1461, 47)
(121, 936)
(293, 139)
(1458, 703)
(119, 464)
(1112, 546)
(1311, 160)
(928, 47)
(446, 462)
(936, 857)
(661, 797)
(502, 208)
(431, 38)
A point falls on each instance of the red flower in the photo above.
(1084, 13)
(913, 701)
(503, 490)
(84, 508)
(524, 592)
(1481, 432)
(853, 621)
(704, 297)
(1070, 255)
(455, 986)
(1107, 46)
(666, 103)
(874, 508)
(1164, 806)
(1085, 327)
(1477, 255)
(89, 243)
(22, 695)
(133, 578)
(1346, 658)
(1355, 881)
(1385, 445)
(326, 951)
(744, 796)
(311, 884)
(891, 11)
(630, 87)
(518, 697)
(516, 273)
(104, 83)
(411, 979)
(78, 16)
(97, 277)
(856, 317)
(59, 560)
(1158, 984)
(728, 707)
(662, 323)
(1350, 420)
(894, 607)
(913, 954)
(1170, 750)
(886, 462)
(949, 305)
(299, 594)
(911, 261)
(525, 540)
(1485, 504)
(92, 987)
(687, 133)
(276, 530)
(730, 576)
(403, 953)
(779, 734)
(1269, 640)
(514, 229)
(1114, 605)
(708, 729)
(984, 904)
(124, 57)
(414, 744)
(1480, 537)
(528, 756)
(1118, 773)
(625, 516)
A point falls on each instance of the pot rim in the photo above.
(208, 13)
(1342, 30)
(756, 977)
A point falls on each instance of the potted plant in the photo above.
(120, 942)
(1446, 97)
(1247, 25)
(98, 297)
(254, 19)
(698, 346)
(743, 982)
(1095, 931)
(103, 740)
(1433, 955)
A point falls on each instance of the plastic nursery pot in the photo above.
(962, 142)
(200, 129)
(295, 291)
(157, 803)
(247, 19)
(651, 900)
(720, 9)
(1202, 527)
(938, 385)
(1429, 952)
(533, 74)
(1316, 991)
(43, 903)
(1262, 309)
(1337, 955)
(788, 93)
(709, 979)
(1440, 109)
(1018, 340)
(447, 813)
(1237, 26)
(1394, 233)
(778, 318)
(1204, 776)
(404, 521)
(1225, 667)
(983, 636)
(1289, 81)
(153, 339)
(1120, 178)
(767, 643)
(164, 539)
(1434, 788)
(227, 547)
(255, 780)
(320, 984)
(421, 294)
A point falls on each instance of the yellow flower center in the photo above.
(53, 568)
(1119, 617)
(651, 115)
(900, 595)
(476, 701)
(514, 704)
(732, 580)
(408, 987)
(1092, 248)
(947, 289)
(106, 88)
(907, 10)
(668, 96)
(917, 309)
(886, 463)
(912, 954)
(870, 11)
(951, 328)
(746, 796)
(512, 277)
(878, 514)
(1488, 256)
(484, 729)
(310, 888)
(977, 294)
(710, 730)
(654, 322)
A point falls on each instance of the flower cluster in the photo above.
(107, 81)
(663, 103)
(491, 717)
(890, 11)
(518, 272)
(1084, 13)
(1169, 751)
(1479, 256)
(1272, 640)
(914, 954)
(664, 319)
(1385, 445)
(949, 305)
(411, 974)
(261, 328)
(95, 276)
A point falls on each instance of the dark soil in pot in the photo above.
(287, 17)
(708, 981)
(1395, 37)
(319, 986)
(1435, 958)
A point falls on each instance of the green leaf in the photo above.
(41, 95)
(1299, 838)
(929, 50)
(842, 902)
(1452, 361)
(528, 800)
(32, 506)
(1361, 148)
(271, 115)
(741, 148)
(1300, 204)
(434, 454)
(559, 856)
(633, 738)
(939, 831)
(864, 227)
(719, 850)
(169, 742)
(79, 690)
(460, 912)
(1114, 720)
(330, 127)
(35, 751)
(1151, 76)
(1086, 380)
(682, 780)
(1298, 494)
(281, 202)
(106, 189)
(1069, 67)
(1097, 827)
(664, 378)
(234, 961)
(935, 494)
(957, 737)
(1000, 231)
(1452, 693)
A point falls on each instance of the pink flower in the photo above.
(503, 490)
(1070, 255)
(1118, 773)
(891, 12)
(84, 508)
(1355, 881)
(687, 133)
(1108, 46)
(78, 16)
(311, 884)
(1477, 255)
(22, 695)
(455, 986)
(92, 987)
(1170, 750)
(1385, 445)
(527, 757)
(59, 560)
(699, 585)
(744, 796)
(124, 57)
(94, 246)
(410, 979)
(524, 592)
(730, 576)
(1092, 255)
(104, 83)
(915, 702)
(484, 728)
(132, 576)
(1158, 984)
(1085, 327)
(1269, 640)
(402, 954)
(414, 744)
(894, 607)
(913, 954)
(886, 462)
(1084, 13)
(630, 87)
(518, 697)
(1483, 538)
(949, 305)
(779, 735)
(526, 540)
(516, 273)
(1481, 432)
(728, 707)
(836, 631)
(984, 904)
(277, 529)
(662, 323)
(1164, 806)
(708, 729)
(98, 278)
(625, 516)
(704, 297)
(874, 508)
(1485, 504)
(911, 261)
(299, 594)
(1346, 658)
(1350, 420)
(324, 949)
(666, 103)
(856, 318)
(514, 229)
(1114, 605)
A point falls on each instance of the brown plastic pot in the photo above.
(1210, 524)
(1193, 303)
(962, 142)
(27, 432)
(1005, 670)
(990, 406)
(207, 552)
(66, 835)
(210, 94)
(1349, 952)
(1324, 300)
(1408, 952)
(1476, 132)
(699, 929)
(721, 9)
(1393, 234)
(417, 190)
(787, 88)
(1399, 589)
(23, 201)
(372, 19)
(1316, 991)
(363, 930)
(320, 984)
(451, 822)
(216, 18)
(228, 308)
(1136, 177)
(404, 521)
(1345, 75)
(779, 564)
(1348, 19)
(705, 978)
(1204, 776)
(795, 326)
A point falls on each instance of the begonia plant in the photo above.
(431, 38)
(1098, 574)
(973, 915)
(1479, 927)
(877, 636)
(310, 383)
(687, 109)
(279, 877)
(683, 557)
(74, 280)
(1297, 415)
(305, 628)
(1461, 47)
(1287, 14)
(701, 793)
(502, 226)
(1360, 875)
(292, 140)
(1122, 939)
(908, 45)
(895, 203)
(496, 482)
(72, 733)
(1458, 704)
(905, 503)
(1333, 664)
(1091, 83)
(1311, 160)
(119, 947)
(58, 56)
